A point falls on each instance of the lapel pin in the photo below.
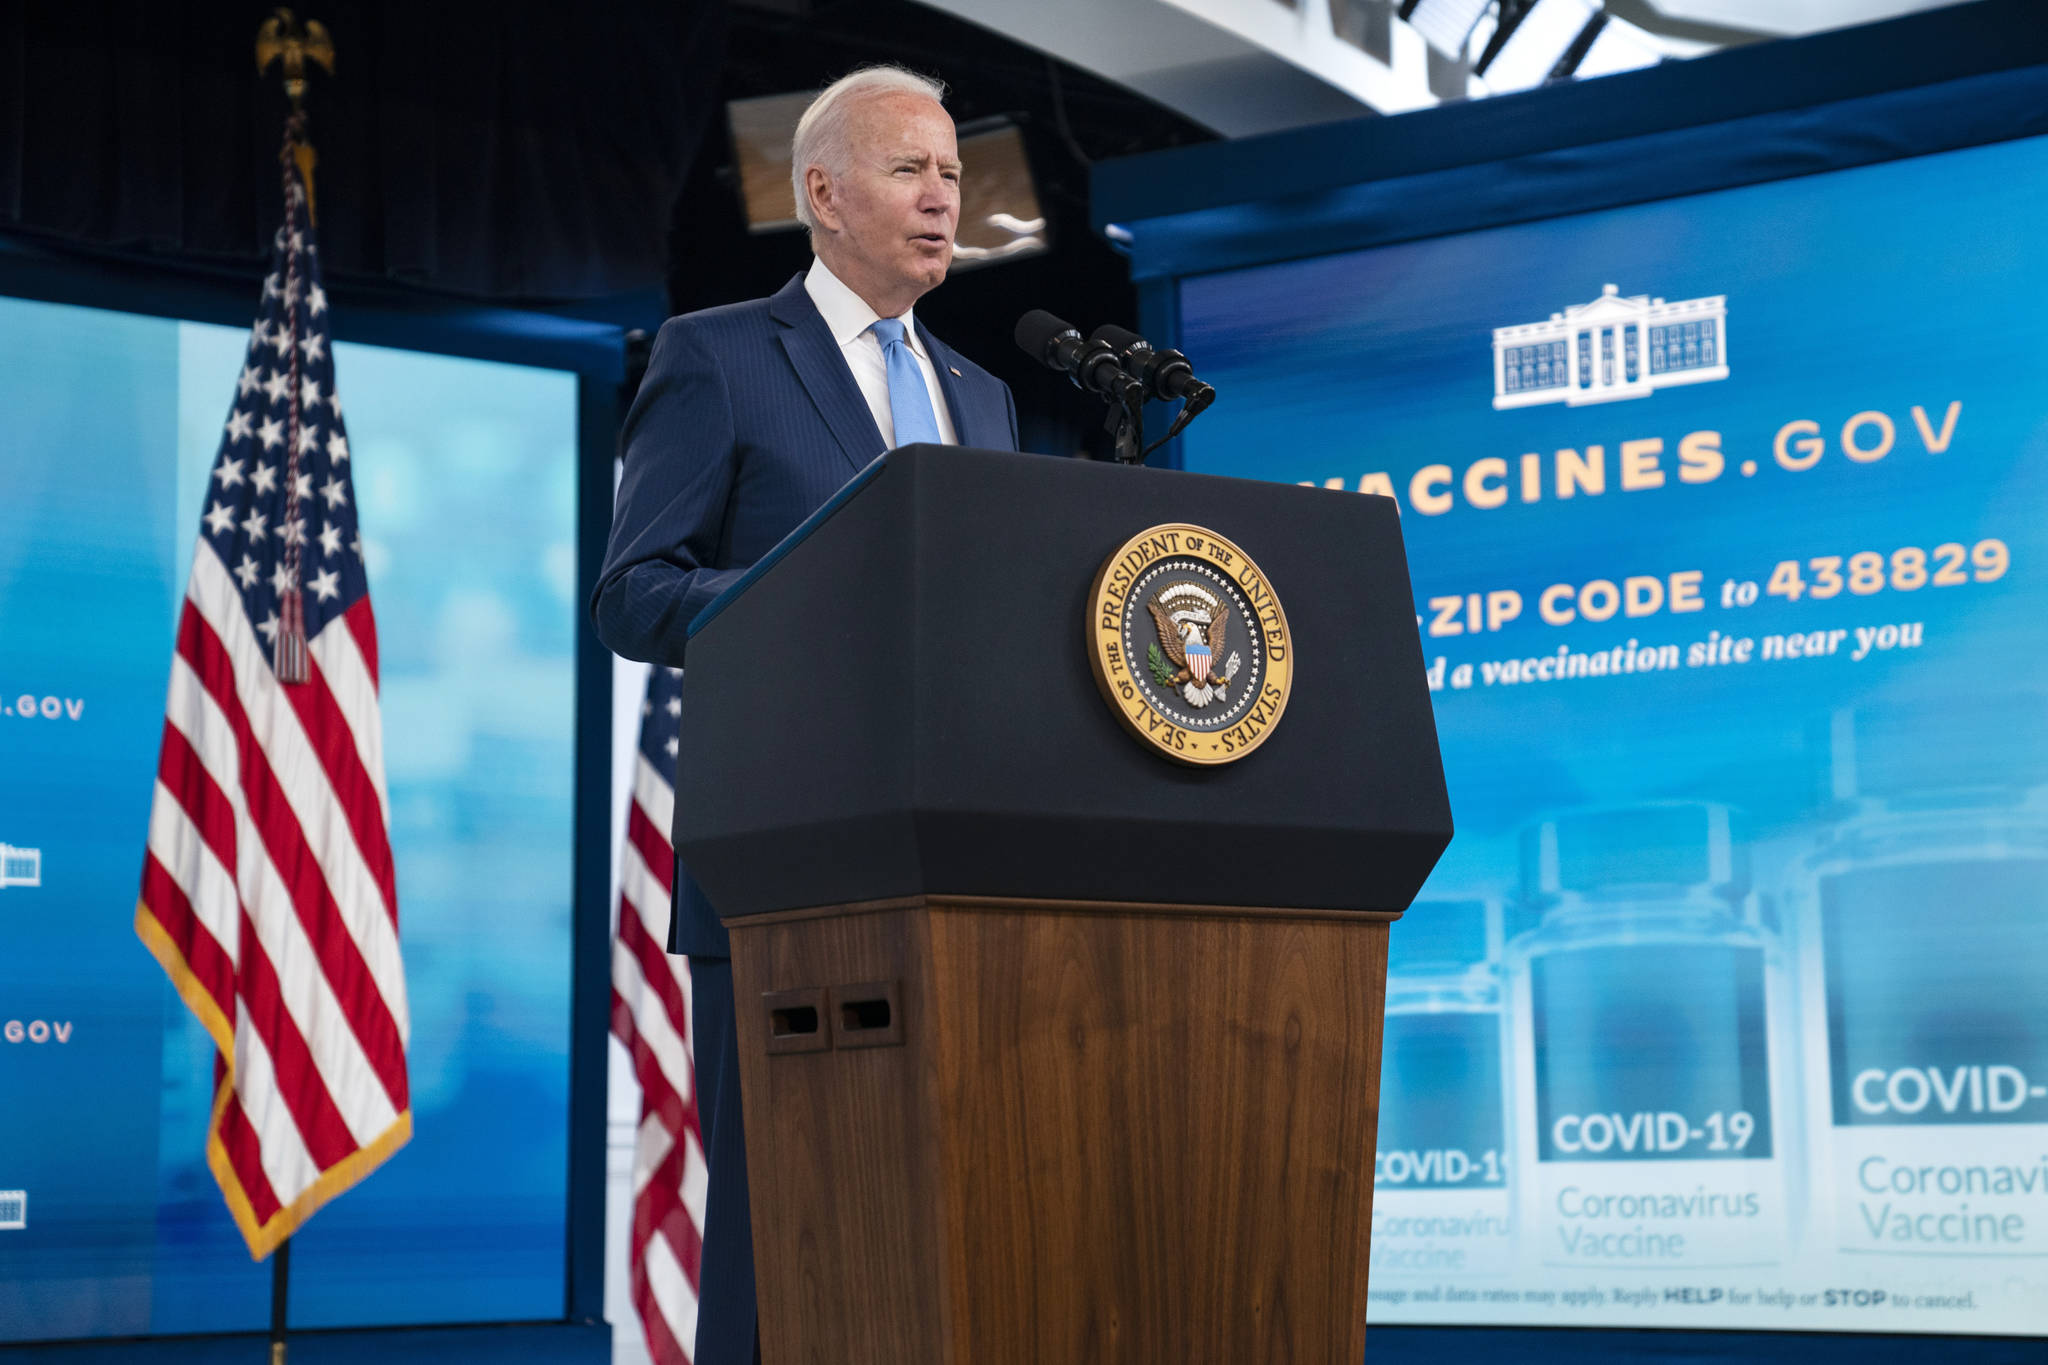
(956, 372)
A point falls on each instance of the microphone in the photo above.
(1166, 374)
(1092, 365)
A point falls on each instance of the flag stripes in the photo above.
(651, 1018)
(296, 875)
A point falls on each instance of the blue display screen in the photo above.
(110, 1222)
(1728, 524)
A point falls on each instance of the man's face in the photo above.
(889, 219)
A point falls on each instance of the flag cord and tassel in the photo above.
(290, 655)
(290, 660)
(283, 40)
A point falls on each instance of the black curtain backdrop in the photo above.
(549, 155)
(513, 152)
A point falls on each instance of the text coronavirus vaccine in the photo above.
(1649, 1073)
(1923, 911)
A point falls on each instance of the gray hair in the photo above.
(820, 138)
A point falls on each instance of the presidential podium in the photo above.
(1055, 1047)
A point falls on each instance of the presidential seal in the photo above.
(1189, 645)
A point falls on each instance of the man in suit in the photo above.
(749, 418)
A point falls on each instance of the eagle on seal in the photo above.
(1175, 637)
(1191, 638)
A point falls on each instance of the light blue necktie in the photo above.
(910, 403)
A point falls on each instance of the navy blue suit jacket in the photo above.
(748, 421)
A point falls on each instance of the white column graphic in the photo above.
(1606, 338)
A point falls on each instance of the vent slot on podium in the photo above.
(866, 1014)
(796, 1020)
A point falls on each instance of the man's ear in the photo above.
(824, 208)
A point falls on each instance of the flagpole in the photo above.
(282, 40)
(280, 1288)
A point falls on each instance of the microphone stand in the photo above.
(1121, 368)
(1126, 423)
(1161, 374)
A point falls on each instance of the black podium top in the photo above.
(899, 701)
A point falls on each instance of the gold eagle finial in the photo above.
(282, 37)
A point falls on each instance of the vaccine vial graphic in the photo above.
(1923, 915)
(1440, 1192)
(1649, 1065)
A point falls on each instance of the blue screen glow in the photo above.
(464, 472)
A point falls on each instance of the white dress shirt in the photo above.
(848, 317)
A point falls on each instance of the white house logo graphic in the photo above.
(20, 866)
(1614, 347)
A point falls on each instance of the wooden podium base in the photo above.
(1059, 1133)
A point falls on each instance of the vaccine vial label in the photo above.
(1440, 1195)
(1654, 1139)
(1937, 1019)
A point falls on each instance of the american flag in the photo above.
(267, 890)
(651, 1017)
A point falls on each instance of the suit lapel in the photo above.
(822, 369)
(968, 422)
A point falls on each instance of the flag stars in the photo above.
(337, 444)
(309, 393)
(330, 539)
(316, 299)
(271, 433)
(294, 531)
(675, 706)
(247, 573)
(251, 379)
(268, 625)
(313, 347)
(309, 438)
(671, 747)
(335, 491)
(270, 289)
(302, 486)
(280, 384)
(281, 340)
(263, 478)
(229, 472)
(220, 520)
(238, 426)
(326, 585)
(281, 579)
(256, 524)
